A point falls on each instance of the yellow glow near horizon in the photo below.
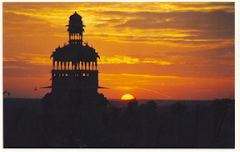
(127, 97)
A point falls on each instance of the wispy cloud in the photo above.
(125, 87)
(164, 23)
(156, 92)
(118, 59)
(132, 88)
(140, 76)
(27, 58)
(156, 61)
(148, 76)
(8, 59)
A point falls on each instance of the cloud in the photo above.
(38, 59)
(25, 60)
(209, 54)
(25, 69)
(137, 75)
(118, 59)
(148, 76)
(155, 92)
(191, 28)
(156, 61)
(8, 59)
(220, 21)
(207, 6)
(125, 87)
(173, 24)
(14, 67)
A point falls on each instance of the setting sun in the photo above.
(127, 97)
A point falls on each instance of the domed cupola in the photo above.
(75, 29)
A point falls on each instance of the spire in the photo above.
(75, 29)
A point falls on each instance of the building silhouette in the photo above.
(74, 78)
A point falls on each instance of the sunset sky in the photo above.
(150, 50)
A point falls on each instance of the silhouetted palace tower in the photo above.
(75, 65)
(74, 76)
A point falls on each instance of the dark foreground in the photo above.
(178, 125)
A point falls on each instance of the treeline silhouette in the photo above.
(178, 125)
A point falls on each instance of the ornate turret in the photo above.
(75, 29)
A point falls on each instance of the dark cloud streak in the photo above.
(214, 24)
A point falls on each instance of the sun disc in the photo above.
(127, 97)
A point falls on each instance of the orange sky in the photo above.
(150, 50)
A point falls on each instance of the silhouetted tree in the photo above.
(224, 117)
(132, 107)
(152, 104)
(103, 103)
(177, 108)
